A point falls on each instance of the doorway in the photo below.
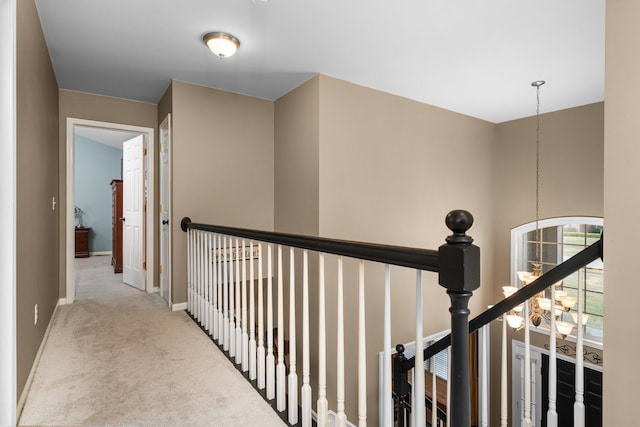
(147, 248)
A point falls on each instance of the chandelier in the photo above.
(540, 309)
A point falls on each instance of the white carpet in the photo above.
(118, 357)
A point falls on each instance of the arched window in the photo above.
(561, 238)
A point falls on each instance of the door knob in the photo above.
(165, 221)
(122, 219)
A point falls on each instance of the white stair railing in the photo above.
(226, 303)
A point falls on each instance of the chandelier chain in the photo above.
(538, 237)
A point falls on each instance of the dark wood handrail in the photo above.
(422, 259)
(554, 275)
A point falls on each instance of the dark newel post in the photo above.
(400, 384)
(459, 273)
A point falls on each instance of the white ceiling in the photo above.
(111, 137)
(476, 57)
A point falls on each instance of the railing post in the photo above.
(400, 385)
(459, 262)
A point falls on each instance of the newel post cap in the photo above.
(459, 258)
(184, 224)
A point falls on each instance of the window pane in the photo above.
(595, 280)
(594, 303)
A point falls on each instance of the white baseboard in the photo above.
(331, 419)
(155, 290)
(179, 306)
(100, 253)
(36, 362)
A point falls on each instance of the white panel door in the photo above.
(165, 207)
(133, 212)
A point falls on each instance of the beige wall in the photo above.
(222, 165)
(390, 170)
(296, 159)
(621, 178)
(571, 177)
(80, 105)
(571, 172)
(37, 172)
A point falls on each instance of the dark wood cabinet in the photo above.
(116, 242)
(82, 242)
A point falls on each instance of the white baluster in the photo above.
(189, 280)
(270, 362)
(216, 283)
(504, 409)
(281, 403)
(434, 393)
(484, 379)
(306, 370)
(212, 279)
(205, 268)
(578, 406)
(526, 421)
(233, 259)
(362, 353)
(449, 414)
(201, 278)
(261, 355)
(388, 404)
(245, 333)
(223, 262)
(225, 297)
(323, 404)
(194, 276)
(252, 318)
(341, 418)
(293, 376)
(552, 414)
(199, 275)
(418, 384)
(238, 306)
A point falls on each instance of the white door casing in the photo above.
(8, 315)
(133, 212)
(518, 384)
(69, 205)
(165, 209)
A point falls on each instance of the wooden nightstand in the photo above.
(82, 242)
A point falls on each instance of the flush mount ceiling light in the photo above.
(221, 44)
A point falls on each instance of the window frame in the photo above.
(519, 233)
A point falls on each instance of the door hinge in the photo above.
(144, 151)
(161, 269)
(144, 265)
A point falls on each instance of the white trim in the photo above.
(62, 301)
(149, 219)
(167, 122)
(178, 307)
(543, 223)
(36, 362)
(101, 253)
(516, 242)
(331, 419)
(8, 113)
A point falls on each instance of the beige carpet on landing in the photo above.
(118, 357)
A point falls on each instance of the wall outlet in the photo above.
(53, 203)
(35, 314)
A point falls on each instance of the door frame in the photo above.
(70, 218)
(166, 123)
(8, 116)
